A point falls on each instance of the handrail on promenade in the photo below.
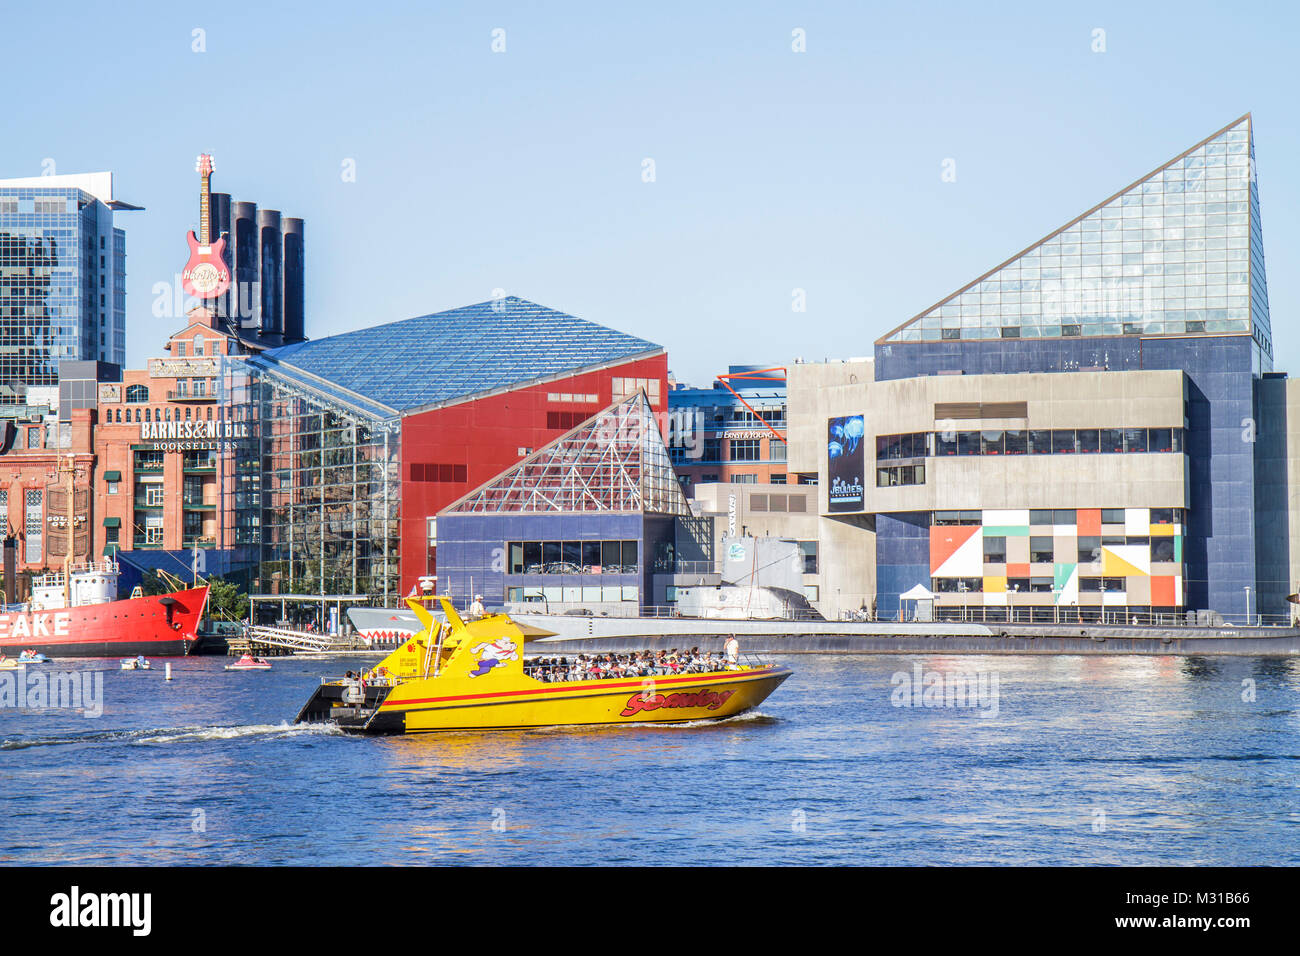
(1072, 618)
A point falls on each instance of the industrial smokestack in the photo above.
(245, 302)
(272, 258)
(294, 282)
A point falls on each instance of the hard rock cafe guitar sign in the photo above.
(206, 275)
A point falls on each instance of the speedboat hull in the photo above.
(441, 704)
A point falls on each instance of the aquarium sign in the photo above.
(845, 463)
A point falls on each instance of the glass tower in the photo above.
(62, 279)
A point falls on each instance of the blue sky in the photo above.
(522, 170)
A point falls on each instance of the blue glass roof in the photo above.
(448, 355)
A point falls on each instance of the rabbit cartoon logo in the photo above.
(492, 654)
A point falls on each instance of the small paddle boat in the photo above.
(250, 663)
(135, 664)
(22, 660)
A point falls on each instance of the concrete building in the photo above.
(1076, 431)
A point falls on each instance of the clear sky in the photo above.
(523, 170)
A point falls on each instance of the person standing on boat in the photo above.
(476, 610)
(732, 651)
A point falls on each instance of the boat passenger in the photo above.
(732, 651)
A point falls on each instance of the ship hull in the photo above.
(436, 704)
(162, 625)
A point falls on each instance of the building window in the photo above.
(180, 350)
(439, 472)
(137, 394)
(33, 521)
(746, 449)
(809, 549)
(627, 387)
(432, 531)
(776, 450)
(198, 345)
(153, 529)
(564, 421)
(110, 487)
(745, 479)
(900, 475)
(571, 557)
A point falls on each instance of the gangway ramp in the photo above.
(291, 640)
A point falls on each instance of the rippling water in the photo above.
(1087, 760)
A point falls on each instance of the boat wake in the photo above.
(748, 717)
(172, 735)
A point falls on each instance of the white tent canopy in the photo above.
(918, 593)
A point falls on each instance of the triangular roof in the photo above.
(450, 356)
(1177, 252)
(615, 461)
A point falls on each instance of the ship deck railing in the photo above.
(747, 661)
(55, 578)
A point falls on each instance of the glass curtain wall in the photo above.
(316, 487)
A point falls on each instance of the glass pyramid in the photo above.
(615, 461)
(1178, 252)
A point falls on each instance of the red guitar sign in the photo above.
(206, 275)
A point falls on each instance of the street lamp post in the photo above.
(962, 589)
(1247, 590)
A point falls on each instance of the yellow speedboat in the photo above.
(471, 676)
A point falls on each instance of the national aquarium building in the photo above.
(355, 442)
(1092, 426)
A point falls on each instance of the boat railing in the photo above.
(560, 673)
(52, 579)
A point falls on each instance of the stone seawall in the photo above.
(588, 635)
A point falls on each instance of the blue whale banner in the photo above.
(844, 463)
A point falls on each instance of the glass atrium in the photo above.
(1177, 253)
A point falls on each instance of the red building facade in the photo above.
(448, 451)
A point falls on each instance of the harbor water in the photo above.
(894, 760)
